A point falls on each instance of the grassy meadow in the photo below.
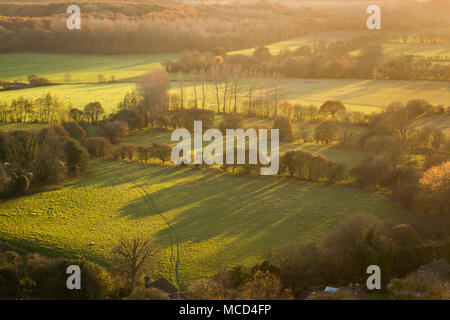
(82, 68)
(220, 220)
(367, 96)
(351, 156)
(415, 49)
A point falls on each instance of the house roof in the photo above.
(331, 289)
(164, 285)
(440, 268)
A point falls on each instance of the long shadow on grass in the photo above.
(235, 218)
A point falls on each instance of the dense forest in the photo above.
(112, 27)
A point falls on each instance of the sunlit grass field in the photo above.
(367, 96)
(351, 156)
(77, 95)
(220, 220)
(82, 68)
(415, 49)
(20, 126)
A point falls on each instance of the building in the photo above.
(439, 268)
(164, 285)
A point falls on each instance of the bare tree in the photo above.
(277, 79)
(236, 74)
(194, 78)
(134, 256)
(202, 77)
(180, 79)
(153, 89)
(214, 75)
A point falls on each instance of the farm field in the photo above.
(425, 50)
(78, 95)
(20, 126)
(83, 68)
(350, 156)
(220, 220)
(366, 96)
(309, 40)
(415, 49)
(359, 95)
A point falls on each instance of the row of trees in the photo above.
(321, 60)
(48, 108)
(306, 165)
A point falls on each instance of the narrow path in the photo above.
(172, 231)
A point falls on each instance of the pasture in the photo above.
(351, 156)
(82, 68)
(77, 95)
(366, 96)
(220, 220)
(415, 49)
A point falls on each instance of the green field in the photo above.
(220, 220)
(309, 40)
(20, 126)
(415, 49)
(78, 95)
(83, 68)
(350, 156)
(368, 96)
(359, 95)
(424, 50)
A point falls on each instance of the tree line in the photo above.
(321, 60)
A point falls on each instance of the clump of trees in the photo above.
(40, 158)
(98, 147)
(326, 131)
(37, 81)
(144, 153)
(415, 287)
(261, 282)
(341, 258)
(305, 165)
(33, 276)
(115, 130)
(284, 125)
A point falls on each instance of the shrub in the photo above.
(22, 184)
(147, 294)
(326, 131)
(231, 121)
(125, 150)
(115, 130)
(37, 81)
(284, 125)
(74, 130)
(77, 158)
(98, 147)
(131, 117)
(161, 151)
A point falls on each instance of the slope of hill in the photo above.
(220, 220)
